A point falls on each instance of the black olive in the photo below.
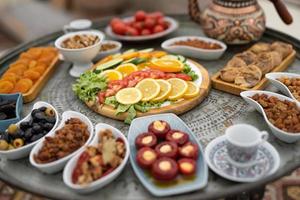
(51, 120)
(24, 125)
(37, 129)
(45, 132)
(39, 116)
(34, 112)
(48, 126)
(4, 136)
(28, 134)
(30, 122)
(36, 137)
(42, 109)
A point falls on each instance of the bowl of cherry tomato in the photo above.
(141, 26)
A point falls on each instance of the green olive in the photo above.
(10, 147)
(49, 112)
(18, 142)
(3, 145)
(12, 129)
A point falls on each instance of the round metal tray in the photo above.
(208, 120)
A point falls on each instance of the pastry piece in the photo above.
(228, 74)
(283, 48)
(260, 47)
(265, 62)
(145, 140)
(236, 62)
(249, 76)
(164, 169)
(247, 56)
(145, 157)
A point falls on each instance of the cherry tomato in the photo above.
(115, 20)
(162, 22)
(157, 15)
(131, 31)
(158, 29)
(119, 28)
(140, 15)
(149, 23)
(145, 32)
(138, 25)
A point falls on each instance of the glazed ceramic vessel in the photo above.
(234, 21)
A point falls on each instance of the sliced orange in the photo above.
(127, 69)
(167, 65)
(158, 54)
(149, 88)
(105, 59)
(165, 90)
(129, 96)
(112, 75)
(179, 88)
(192, 91)
(129, 55)
(144, 55)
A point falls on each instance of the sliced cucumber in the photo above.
(109, 64)
(137, 61)
(181, 58)
(116, 55)
(129, 60)
(146, 50)
(129, 51)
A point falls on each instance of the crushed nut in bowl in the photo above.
(80, 41)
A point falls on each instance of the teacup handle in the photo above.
(264, 135)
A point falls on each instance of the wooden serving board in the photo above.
(177, 108)
(39, 84)
(219, 84)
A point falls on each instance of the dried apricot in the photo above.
(40, 69)
(47, 57)
(6, 86)
(27, 55)
(23, 85)
(8, 74)
(16, 71)
(35, 52)
(32, 75)
(12, 79)
(32, 64)
(24, 61)
(20, 66)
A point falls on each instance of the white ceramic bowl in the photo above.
(25, 150)
(81, 58)
(280, 134)
(204, 54)
(57, 165)
(283, 88)
(173, 25)
(115, 50)
(67, 174)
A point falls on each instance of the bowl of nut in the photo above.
(80, 48)
(108, 47)
(281, 113)
(287, 83)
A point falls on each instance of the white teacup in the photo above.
(243, 142)
(78, 25)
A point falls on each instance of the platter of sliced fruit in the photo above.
(142, 82)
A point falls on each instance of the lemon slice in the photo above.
(192, 91)
(112, 75)
(165, 89)
(167, 65)
(179, 88)
(149, 88)
(127, 69)
(129, 96)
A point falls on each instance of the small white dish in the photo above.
(77, 25)
(69, 168)
(81, 58)
(173, 25)
(25, 150)
(273, 78)
(204, 54)
(267, 162)
(280, 134)
(57, 165)
(102, 54)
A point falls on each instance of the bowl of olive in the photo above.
(10, 109)
(18, 139)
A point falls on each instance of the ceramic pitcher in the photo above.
(235, 21)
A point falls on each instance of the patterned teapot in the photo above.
(235, 21)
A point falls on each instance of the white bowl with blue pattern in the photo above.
(180, 185)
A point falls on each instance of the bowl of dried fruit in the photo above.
(101, 162)
(80, 48)
(195, 46)
(281, 113)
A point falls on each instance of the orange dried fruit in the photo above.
(12, 79)
(10, 74)
(20, 66)
(27, 55)
(6, 86)
(40, 69)
(16, 71)
(32, 75)
(23, 85)
(32, 64)
(35, 52)
(47, 57)
(24, 61)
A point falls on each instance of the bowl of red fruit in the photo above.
(166, 156)
(142, 26)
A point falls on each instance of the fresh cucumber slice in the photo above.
(146, 50)
(128, 61)
(137, 61)
(109, 64)
(116, 55)
(129, 51)
(181, 58)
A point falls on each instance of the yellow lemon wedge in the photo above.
(167, 65)
(179, 88)
(192, 91)
(129, 96)
(127, 69)
(112, 75)
(149, 88)
(165, 89)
